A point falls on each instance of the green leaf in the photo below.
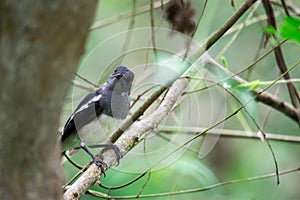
(270, 30)
(291, 29)
(253, 85)
(224, 62)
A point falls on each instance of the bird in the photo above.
(98, 114)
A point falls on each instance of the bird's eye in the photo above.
(119, 76)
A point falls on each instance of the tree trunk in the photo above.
(40, 44)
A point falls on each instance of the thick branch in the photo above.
(261, 95)
(278, 104)
(274, 102)
(133, 135)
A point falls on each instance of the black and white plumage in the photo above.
(99, 112)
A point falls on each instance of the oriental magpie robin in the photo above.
(98, 114)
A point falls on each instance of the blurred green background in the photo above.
(231, 158)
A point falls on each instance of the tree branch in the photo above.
(201, 189)
(261, 95)
(232, 133)
(278, 104)
(229, 23)
(294, 95)
(131, 137)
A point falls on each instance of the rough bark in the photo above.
(40, 44)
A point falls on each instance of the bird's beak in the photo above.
(118, 75)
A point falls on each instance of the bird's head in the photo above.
(121, 79)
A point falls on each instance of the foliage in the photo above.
(291, 29)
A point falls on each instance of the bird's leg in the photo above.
(96, 160)
(107, 147)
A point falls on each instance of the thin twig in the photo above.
(128, 35)
(286, 10)
(258, 128)
(126, 184)
(268, 113)
(85, 87)
(196, 28)
(96, 193)
(232, 133)
(86, 80)
(152, 22)
(290, 6)
(229, 23)
(144, 185)
(139, 11)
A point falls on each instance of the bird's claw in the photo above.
(99, 163)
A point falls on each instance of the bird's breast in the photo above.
(99, 129)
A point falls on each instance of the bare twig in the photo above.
(289, 5)
(128, 34)
(196, 28)
(286, 10)
(98, 194)
(229, 23)
(86, 80)
(278, 104)
(152, 22)
(139, 11)
(232, 133)
(85, 87)
(258, 128)
(237, 33)
(126, 184)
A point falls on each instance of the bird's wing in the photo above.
(87, 110)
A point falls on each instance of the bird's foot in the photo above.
(96, 160)
(99, 164)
